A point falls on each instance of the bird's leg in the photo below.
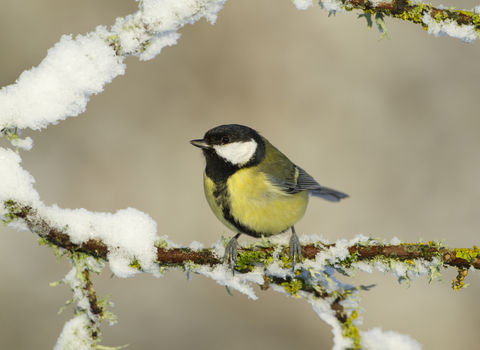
(295, 249)
(231, 253)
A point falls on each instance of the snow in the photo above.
(16, 183)
(167, 14)
(448, 27)
(25, 144)
(323, 310)
(158, 42)
(332, 6)
(74, 69)
(395, 241)
(61, 85)
(130, 234)
(196, 246)
(375, 339)
(363, 266)
(75, 335)
(222, 274)
(302, 4)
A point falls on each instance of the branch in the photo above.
(267, 264)
(462, 258)
(439, 20)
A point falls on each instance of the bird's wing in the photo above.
(300, 180)
(291, 178)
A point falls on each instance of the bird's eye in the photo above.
(225, 139)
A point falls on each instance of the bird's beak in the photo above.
(200, 144)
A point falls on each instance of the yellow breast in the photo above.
(256, 203)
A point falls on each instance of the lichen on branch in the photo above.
(436, 20)
(264, 263)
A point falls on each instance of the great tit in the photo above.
(253, 188)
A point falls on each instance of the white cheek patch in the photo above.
(237, 153)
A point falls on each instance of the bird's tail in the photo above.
(327, 193)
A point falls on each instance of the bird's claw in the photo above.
(230, 256)
(295, 249)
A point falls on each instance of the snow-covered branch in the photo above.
(74, 69)
(439, 21)
(264, 263)
(169, 256)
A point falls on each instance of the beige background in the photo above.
(393, 123)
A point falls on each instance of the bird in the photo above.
(254, 189)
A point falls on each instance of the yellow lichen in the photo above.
(292, 287)
(135, 265)
(457, 283)
(467, 253)
(350, 331)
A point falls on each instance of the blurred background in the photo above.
(393, 123)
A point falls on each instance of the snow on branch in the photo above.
(264, 263)
(74, 69)
(439, 21)
(167, 255)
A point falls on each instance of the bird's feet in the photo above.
(230, 256)
(295, 249)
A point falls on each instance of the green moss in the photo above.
(286, 262)
(59, 253)
(293, 286)
(135, 265)
(247, 259)
(161, 244)
(10, 134)
(347, 262)
(350, 331)
(13, 211)
(264, 243)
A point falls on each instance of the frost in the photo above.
(222, 274)
(375, 339)
(448, 27)
(157, 43)
(196, 246)
(322, 308)
(332, 6)
(25, 144)
(75, 335)
(380, 266)
(168, 14)
(165, 243)
(395, 241)
(376, 2)
(399, 269)
(218, 249)
(363, 266)
(302, 4)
